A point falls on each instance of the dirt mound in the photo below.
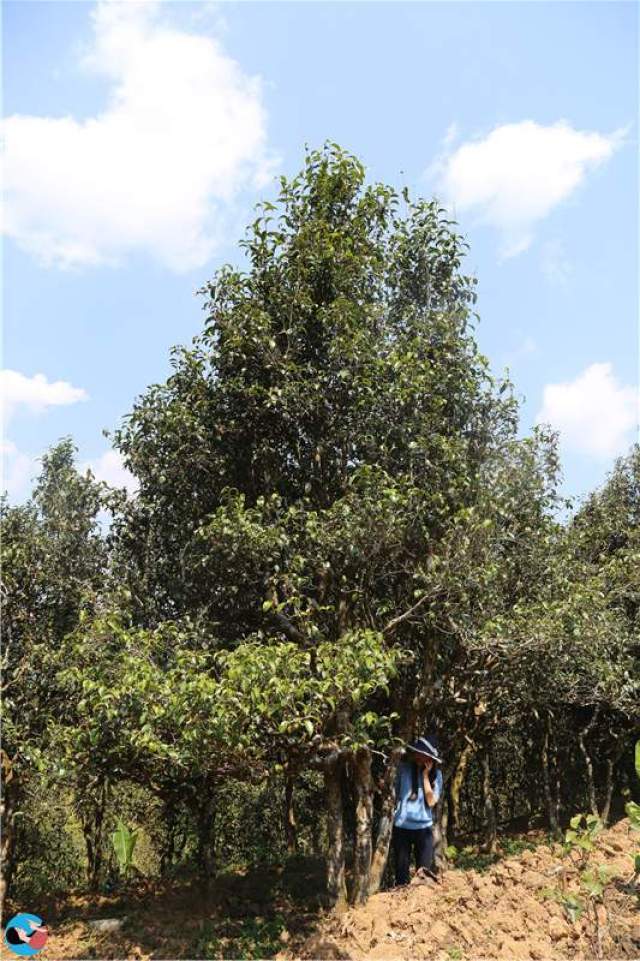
(506, 911)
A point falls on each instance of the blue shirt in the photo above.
(413, 814)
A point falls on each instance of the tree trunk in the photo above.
(591, 784)
(363, 783)
(610, 784)
(92, 809)
(290, 827)
(489, 845)
(336, 883)
(440, 825)
(557, 785)
(456, 785)
(385, 826)
(8, 811)
(316, 843)
(552, 811)
(167, 854)
(206, 837)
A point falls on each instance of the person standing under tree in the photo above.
(418, 789)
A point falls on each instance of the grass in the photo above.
(253, 938)
(511, 847)
(471, 858)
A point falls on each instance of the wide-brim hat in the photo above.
(422, 746)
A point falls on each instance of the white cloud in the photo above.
(594, 413)
(109, 467)
(183, 131)
(515, 176)
(35, 393)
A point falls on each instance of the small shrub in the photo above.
(124, 843)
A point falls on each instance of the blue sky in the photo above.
(139, 135)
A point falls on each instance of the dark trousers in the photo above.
(403, 840)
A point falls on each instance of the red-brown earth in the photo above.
(503, 912)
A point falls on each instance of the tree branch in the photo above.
(391, 626)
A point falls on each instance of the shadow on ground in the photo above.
(249, 914)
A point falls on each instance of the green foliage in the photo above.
(53, 565)
(580, 836)
(470, 859)
(633, 809)
(595, 880)
(511, 847)
(124, 842)
(339, 537)
(50, 844)
(572, 905)
(255, 938)
(633, 813)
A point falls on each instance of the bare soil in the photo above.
(502, 912)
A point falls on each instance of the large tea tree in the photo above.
(158, 708)
(309, 469)
(604, 542)
(54, 562)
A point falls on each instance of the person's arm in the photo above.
(431, 794)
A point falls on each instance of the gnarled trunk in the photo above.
(456, 785)
(92, 809)
(612, 760)
(591, 784)
(363, 783)
(489, 844)
(175, 837)
(290, 826)
(440, 833)
(606, 807)
(336, 883)
(551, 802)
(206, 856)
(385, 826)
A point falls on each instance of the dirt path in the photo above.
(502, 912)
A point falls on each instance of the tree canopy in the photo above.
(340, 540)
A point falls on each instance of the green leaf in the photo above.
(633, 812)
(573, 907)
(124, 842)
